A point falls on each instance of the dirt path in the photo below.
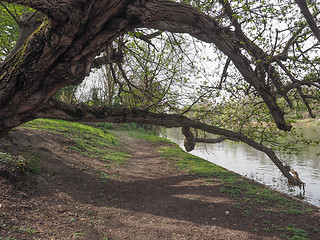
(77, 197)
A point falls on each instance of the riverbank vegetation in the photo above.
(84, 173)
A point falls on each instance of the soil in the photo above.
(147, 198)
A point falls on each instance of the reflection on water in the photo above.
(254, 164)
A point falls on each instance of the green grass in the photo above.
(297, 233)
(149, 137)
(6, 158)
(90, 141)
(101, 144)
(77, 235)
(194, 164)
(76, 131)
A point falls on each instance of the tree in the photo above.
(63, 40)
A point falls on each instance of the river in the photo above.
(246, 161)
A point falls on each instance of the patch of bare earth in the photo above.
(147, 198)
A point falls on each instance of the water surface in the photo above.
(247, 161)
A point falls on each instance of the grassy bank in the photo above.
(88, 140)
(274, 213)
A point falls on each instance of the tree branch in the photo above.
(59, 53)
(224, 74)
(60, 110)
(114, 57)
(186, 19)
(54, 9)
(306, 13)
(258, 54)
(27, 25)
(147, 38)
(69, 46)
(12, 15)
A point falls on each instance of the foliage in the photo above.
(250, 116)
(258, 70)
(176, 73)
(150, 75)
(67, 94)
(14, 167)
(9, 29)
(233, 103)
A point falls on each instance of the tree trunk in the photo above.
(59, 53)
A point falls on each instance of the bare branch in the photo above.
(12, 15)
(284, 54)
(147, 38)
(195, 101)
(151, 35)
(224, 74)
(306, 102)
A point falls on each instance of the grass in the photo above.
(87, 137)
(77, 235)
(194, 164)
(19, 229)
(148, 137)
(89, 141)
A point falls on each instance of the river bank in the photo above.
(259, 167)
(157, 192)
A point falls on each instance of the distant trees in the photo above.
(245, 70)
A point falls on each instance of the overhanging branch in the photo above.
(60, 110)
(113, 57)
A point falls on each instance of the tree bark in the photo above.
(59, 53)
